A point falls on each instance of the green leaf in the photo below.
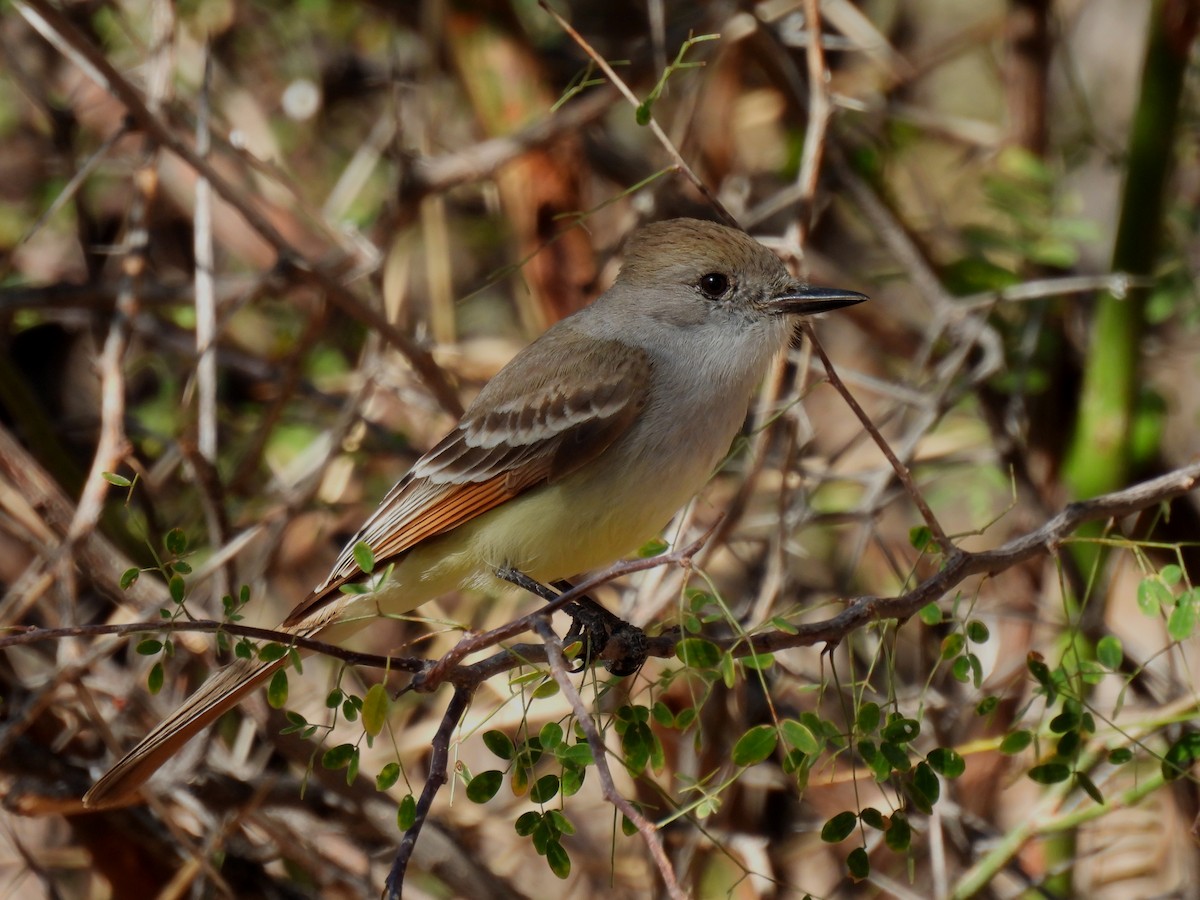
(946, 761)
(551, 736)
(483, 787)
(925, 781)
(920, 537)
(128, 577)
(755, 745)
(154, 681)
(642, 114)
(271, 652)
(930, 614)
(952, 645)
(364, 556)
(114, 479)
(987, 705)
(899, 833)
(1179, 757)
(839, 827)
(376, 705)
(697, 653)
(977, 632)
(560, 822)
(1171, 574)
(868, 718)
(901, 730)
(176, 587)
(1109, 651)
(895, 755)
(406, 813)
(759, 661)
(544, 789)
(858, 864)
(655, 547)
(1119, 756)
(148, 647)
(1182, 622)
(558, 860)
(799, 737)
(387, 776)
(1050, 773)
(547, 688)
(872, 818)
(1152, 595)
(576, 755)
(277, 690)
(338, 757)
(1089, 787)
(1016, 741)
(176, 541)
(527, 822)
(500, 744)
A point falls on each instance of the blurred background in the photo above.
(395, 198)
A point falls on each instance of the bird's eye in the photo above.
(714, 285)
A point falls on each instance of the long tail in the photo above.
(220, 693)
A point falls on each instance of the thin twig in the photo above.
(558, 668)
(901, 470)
(652, 124)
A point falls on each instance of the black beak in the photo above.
(806, 301)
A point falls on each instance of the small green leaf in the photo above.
(758, 661)
(500, 744)
(406, 813)
(547, 688)
(117, 480)
(551, 736)
(930, 614)
(560, 822)
(387, 776)
(899, 833)
(920, 537)
(697, 653)
(1171, 574)
(642, 114)
(925, 781)
(176, 587)
(1180, 756)
(901, 730)
(1120, 756)
(271, 652)
(1016, 741)
(754, 746)
(558, 860)
(1089, 787)
(148, 647)
(544, 789)
(1050, 773)
(868, 718)
(977, 632)
(1182, 622)
(1109, 652)
(376, 705)
(839, 827)
(364, 557)
(176, 541)
(128, 577)
(338, 757)
(946, 761)
(277, 690)
(483, 787)
(154, 681)
(952, 645)
(858, 864)
(527, 822)
(655, 547)
(1153, 595)
(799, 737)
(872, 818)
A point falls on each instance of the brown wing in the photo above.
(530, 425)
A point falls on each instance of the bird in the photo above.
(573, 455)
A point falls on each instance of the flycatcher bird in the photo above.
(572, 456)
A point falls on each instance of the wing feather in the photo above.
(528, 427)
